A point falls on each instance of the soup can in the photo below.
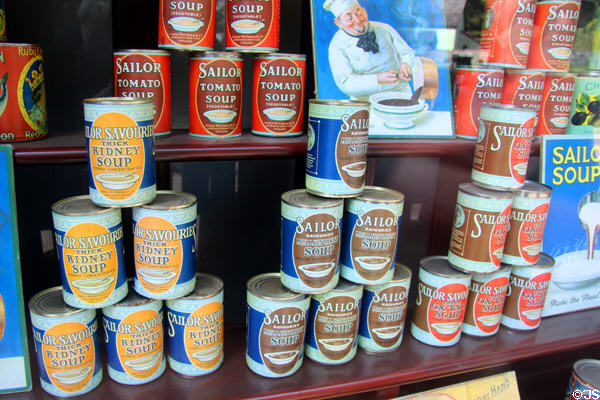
(554, 30)
(186, 24)
(479, 229)
(89, 246)
(336, 158)
(527, 294)
(441, 302)
(487, 294)
(370, 237)
(584, 117)
(66, 345)
(146, 74)
(502, 149)
(506, 32)
(216, 94)
(164, 245)
(585, 380)
(332, 332)
(383, 312)
(311, 232)
(473, 86)
(119, 135)
(278, 95)
(133, 333)
(528, 218)
(556, 104)
(252, 25)
(195, 328)
(22, 93)
(276, 323)
(523, 88)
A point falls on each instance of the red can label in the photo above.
(146, 75)
(524, 239)
(554, 31)
(278, 105)
(523, 89)
(22, 93)
(526, 299)
(186, 24)
(216, 96)
(252, 25)
(474, 87)
(556, 105)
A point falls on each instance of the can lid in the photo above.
(508, 107)
(170, 200)
(591, 72)
(439, 265)
(345, 286)
(478, 191)
(503, 268)
(380, 195)
(207, 285)
(268, 286)
(117, 100)
(6, 44)
(133, 298)
(588, 370)
(281, 55)
(401, 273)
(141, 51)
(50, 303)
(79, 206)
(534, 190)
(211, 55)
(302, 198)
(524, 71)
(334, 102)
(544, 261)
(479, 68)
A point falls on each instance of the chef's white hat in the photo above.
(339, 6)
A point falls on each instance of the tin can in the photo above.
(527, 223)
(502, 149)
(276, 327)
(585, 380)
(133, 333)
(89, 245)
(22, 93)
(479, 229)
(506, 32)
(523, 88)
(554, 30)
(336, 158)
(146, 74)
(486, 301)
(332, 329)
(164, 245)
(441, 302)
(383, 312)
(55, 324)
(473, 86)
(119, 135)
(527, 294)
(216, 94)
(252, 25)
(195, 328)
(278, 88)
(584, 117)
(186, 24)
(311, 232)
(370, 237)
(556, 104)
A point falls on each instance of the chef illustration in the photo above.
(367, 57)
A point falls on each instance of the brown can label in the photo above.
(526, 298)
(486, 301)
(524, 239)
(252, 24)
(281, 338)
(523, 89)
(278, 96)
(215, 97)
(187, 23)
(351, 149)
(336, 326)
(554, 31)
(556, 105)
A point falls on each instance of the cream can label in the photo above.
(527, 223)
(526, 297)
(584, 117)
(486, 301)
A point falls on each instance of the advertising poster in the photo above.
(392, 54)
(570, 164)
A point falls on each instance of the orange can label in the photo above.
(22, 93)
(146, 74)
(506, 32)
(186, 24)
(278, 105)
(216, 95)
(523, 88)
(252, 25)
(556, 104)
(554, 32)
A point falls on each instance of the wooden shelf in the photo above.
(69, 147)
(412, 362)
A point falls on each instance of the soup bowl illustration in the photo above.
(372, 263)
(93, 285)
(575, 271)
(156, 277)
(396, 109)
(208, 354)
(523, 47)
(446, 328)
(338, 344)
(247, 26)
(521, 168)
(220, 116)
(185, 24)
(560, 122)
(117, 180)
(355, 170)
(498, 252)
(533, 249)
(388, 332)
(72, 376)
(532, 314)
(279, 113)
(560, 53)
(282, 357)
(489, 320)
(317, 270)
(144, 363)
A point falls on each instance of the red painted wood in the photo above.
(412, 362)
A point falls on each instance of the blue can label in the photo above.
(579, 390)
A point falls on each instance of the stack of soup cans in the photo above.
(339, 286)
(525, 53)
